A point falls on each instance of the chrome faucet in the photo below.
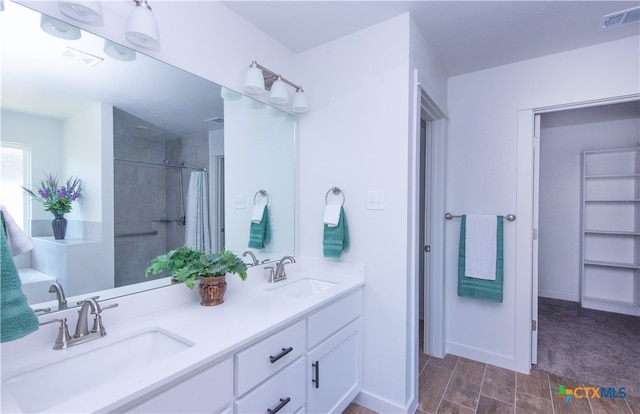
(82, 326)
(280, 274)
(254, 260)
(82, 334)
(57, 289)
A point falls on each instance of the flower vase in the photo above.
(59, 225)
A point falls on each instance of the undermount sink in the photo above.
(303, 288)
(39, 388)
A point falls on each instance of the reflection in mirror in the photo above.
(135, 131)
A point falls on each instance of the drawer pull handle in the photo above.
(316, 374)
(284, 352)
(282, 403)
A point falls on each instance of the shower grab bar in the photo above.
(509, 217)
(144, 233)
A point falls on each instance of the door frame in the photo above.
(526, 209)
(422, 106)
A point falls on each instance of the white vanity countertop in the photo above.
(249, 312)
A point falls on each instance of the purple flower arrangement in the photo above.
(55, 198)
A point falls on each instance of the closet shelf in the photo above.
(628, 200)
(607, 176)
(612, 233)
(603, 263)
(592, 302)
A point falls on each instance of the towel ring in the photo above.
(261, 193)
(335, 191)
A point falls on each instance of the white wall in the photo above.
(483, 177)
(83, 159)
(357, 137)
(564, 136)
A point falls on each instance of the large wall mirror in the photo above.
(149, 141)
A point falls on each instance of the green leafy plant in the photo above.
(187, 265)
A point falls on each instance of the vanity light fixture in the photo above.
(118, 51)
(86, 11)
(142, 28)
(258, 79)
(59, 28)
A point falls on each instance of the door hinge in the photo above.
(536, 142)
(534, 325)
(535, 234)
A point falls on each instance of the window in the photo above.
(14, 172)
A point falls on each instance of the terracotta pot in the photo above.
(212, 290)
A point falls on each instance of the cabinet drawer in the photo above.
(285, 389)
(330, 319)
(263, 359)
(192, 395)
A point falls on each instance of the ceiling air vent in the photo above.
(80, 57)
(216, 120)
(622, 17)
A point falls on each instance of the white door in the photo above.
(425, 232)
(534, 281)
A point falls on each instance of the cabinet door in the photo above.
(333, 371)
(204, 392)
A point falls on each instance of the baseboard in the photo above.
(499, 360)
(558, 295)
(379, 404)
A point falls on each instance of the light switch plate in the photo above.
(239, 201)
(375, 200)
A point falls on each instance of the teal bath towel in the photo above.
(489, 290)
(17, 319)
(260, 233)
(336, 239)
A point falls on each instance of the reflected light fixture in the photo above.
(118, 51)
(258, 79)
(59, 28)
(142, 28)
(86, 11)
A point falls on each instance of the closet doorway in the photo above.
(558, 285)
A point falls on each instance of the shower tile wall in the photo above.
(145, 195)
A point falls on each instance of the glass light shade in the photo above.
(59, 29)
(118, 51)
(142, 28)
(87, 11)
(254, 81)
(229, 94)
(279, 93)
(300, 104)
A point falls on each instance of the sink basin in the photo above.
(39, 388)
(303, 288)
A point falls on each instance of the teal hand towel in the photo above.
(336, 239)
(17, 319)
(483, 289)
(260, 233)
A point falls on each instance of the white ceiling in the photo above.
(467, 35)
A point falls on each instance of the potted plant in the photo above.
(188, 265)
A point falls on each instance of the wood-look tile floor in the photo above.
(458, 385)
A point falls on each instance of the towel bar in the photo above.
(335, 191)
(509, 217)
(262, 193)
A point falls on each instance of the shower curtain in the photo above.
(197, 232)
